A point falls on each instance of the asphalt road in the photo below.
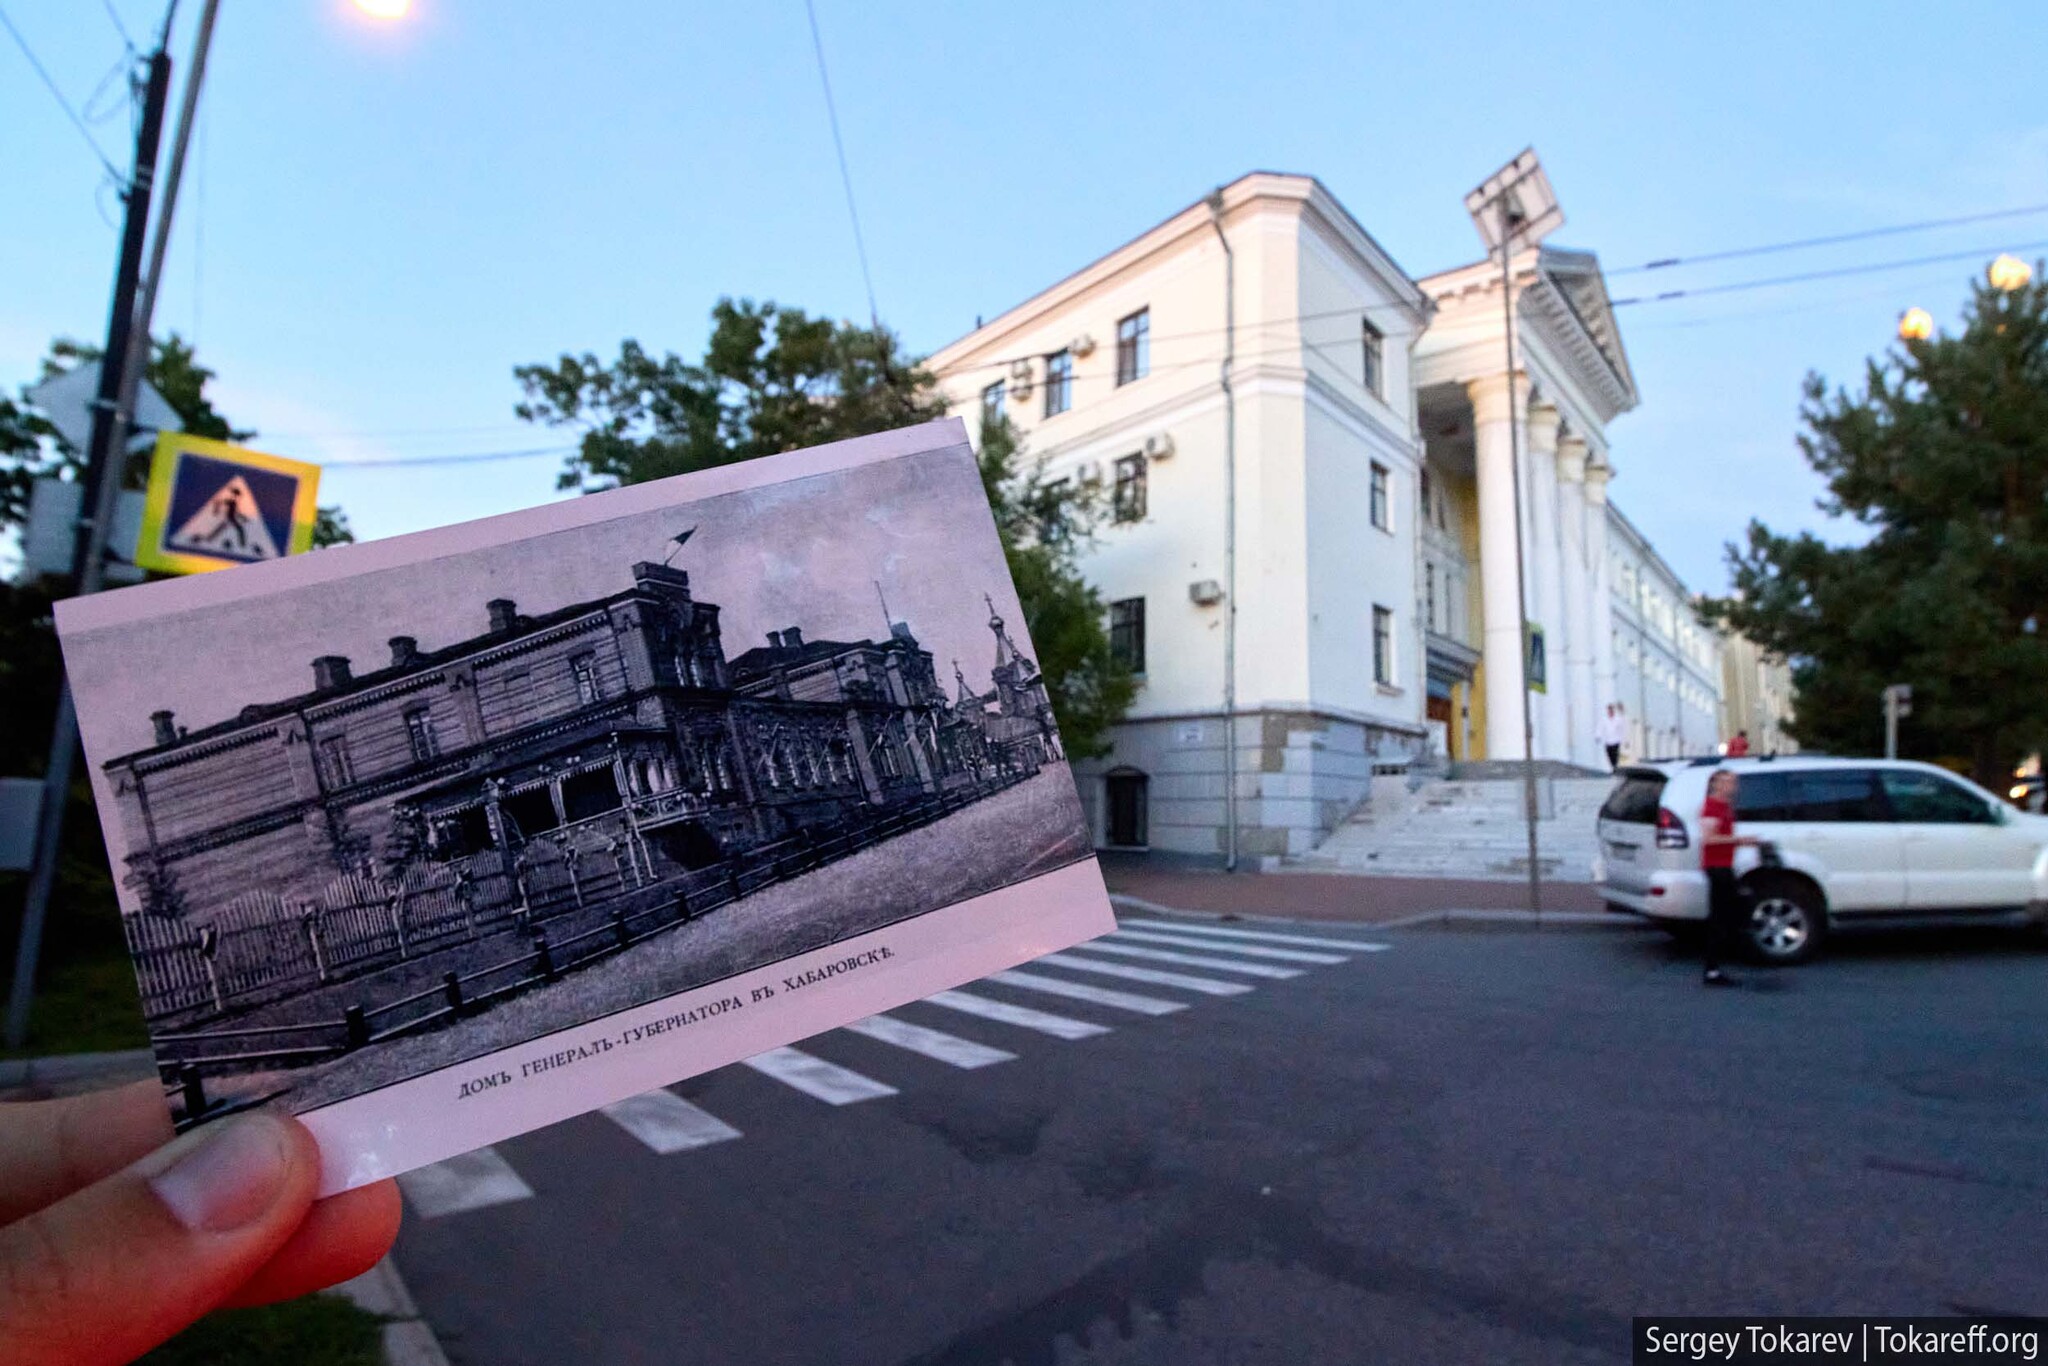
(1477, 1145)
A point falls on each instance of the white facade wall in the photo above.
(1310, 564)
(1668, 669)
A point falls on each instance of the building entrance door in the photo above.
(1126, 791)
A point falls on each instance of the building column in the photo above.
(1496, 402)
(1546, 597)
(1579, 604)
(1598, 472)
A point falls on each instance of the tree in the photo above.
(1943, 456)
(1044, 525)
(774, 379)
(175, 372)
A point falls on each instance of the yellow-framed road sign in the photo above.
(211, 505)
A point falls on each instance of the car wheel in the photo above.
(1786, 922)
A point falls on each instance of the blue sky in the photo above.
(380, 221)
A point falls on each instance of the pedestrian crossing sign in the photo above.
(211, 505)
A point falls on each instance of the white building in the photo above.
(1756, 696)
(1668, 666)
(1299, 434)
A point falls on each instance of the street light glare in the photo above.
(1916, 324)
(2009, 273)
(385, 9)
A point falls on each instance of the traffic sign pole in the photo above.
(121, 366)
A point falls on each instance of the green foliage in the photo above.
(774, 379)
(318, 1330)
(331, 527)
(1944, 457)
(1044, 524)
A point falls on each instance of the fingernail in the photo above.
(223, 1175)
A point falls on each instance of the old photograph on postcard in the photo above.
(383, 812)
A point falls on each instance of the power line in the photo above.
(1804, 276)
(58, 95)
(119, 27)
(845, 176)
(1831, 240)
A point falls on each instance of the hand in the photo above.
(114, 1237)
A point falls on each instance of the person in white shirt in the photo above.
(1611, 731)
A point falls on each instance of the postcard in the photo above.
(435, 840)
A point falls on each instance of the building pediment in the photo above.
(1568, 301)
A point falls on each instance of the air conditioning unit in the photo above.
(1205, 592)
(1020, 379)
(1089, 471)
(1082, 346)
(1159, 446)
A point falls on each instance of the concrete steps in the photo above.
(1467, 828)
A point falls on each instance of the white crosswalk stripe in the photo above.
(829, 1082)
(475, 1180)
(933, 1043)
(1081, 991)
(1059, 1026)
(1208, 986)
(1213, 946)
(1189, 960)
(1220, 932)
(667, 1123)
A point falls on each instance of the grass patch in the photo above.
(85, 1005)
(318, 1330)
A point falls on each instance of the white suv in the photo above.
(1860, 842)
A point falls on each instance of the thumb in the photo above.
(111, 1271)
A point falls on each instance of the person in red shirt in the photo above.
(1739, 746)
(1718, 843)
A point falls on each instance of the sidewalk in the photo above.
(1337, 897)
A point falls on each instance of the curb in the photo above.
(1558, 919)
(68, 1074)
(408, 1339)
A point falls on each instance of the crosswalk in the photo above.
(1094, 985)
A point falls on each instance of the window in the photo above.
(1059, 382)
(1383, 646)
(992, 404)
(1429, 596)
(584, 668)
(1825, 794)
(1381, 516)
(419, 733)
(1127, 633)
(1128, 504)
(1930, 799)
(335, 768)
(1052, 501)
(1134, 347)
(1372, 343)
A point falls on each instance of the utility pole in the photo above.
(121, 367)
(1898, 701)
(1229, 535)
(1507, 303)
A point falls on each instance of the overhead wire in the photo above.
(58, 95)
(1833, 239)
(860, 245)
(1830, 273)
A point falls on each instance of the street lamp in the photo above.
(2008, 273)
(1916, 324)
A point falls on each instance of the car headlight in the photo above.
(2019, 790)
